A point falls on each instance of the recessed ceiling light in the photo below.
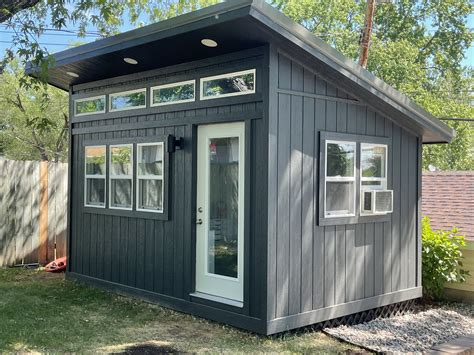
(130, 60)
(209, 42)
(74, 75)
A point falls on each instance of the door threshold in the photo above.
(219, 299)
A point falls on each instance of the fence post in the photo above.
(43, 214)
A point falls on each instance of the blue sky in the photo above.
(58, 41)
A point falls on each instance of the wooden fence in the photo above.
(33, 212)
(463, 292)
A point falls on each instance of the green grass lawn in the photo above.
(44, 312)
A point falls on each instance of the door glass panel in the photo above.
(223, 206)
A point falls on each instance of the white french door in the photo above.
(220, 210)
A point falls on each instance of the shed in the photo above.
(229, 164)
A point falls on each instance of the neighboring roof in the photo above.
(448, 199)
(236, 25)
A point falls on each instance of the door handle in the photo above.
(199, 221)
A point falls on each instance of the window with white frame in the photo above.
(121, 176)
(174, 93)
(150, 172)
(373, 170)
(340, 179)
(89, 105)
(127, 100)
(95, 176)
(230, 84)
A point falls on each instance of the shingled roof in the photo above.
(448, 199)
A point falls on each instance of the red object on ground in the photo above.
(57, 265)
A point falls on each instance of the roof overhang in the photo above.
(236, 25)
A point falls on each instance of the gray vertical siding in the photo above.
(315, 266)
(158, 255)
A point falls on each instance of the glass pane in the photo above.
(224, 206)
(173, 93)
(228, 85)
(373, 160)
(123, 101)
(340, 159)
(90, 106)
(339, 198)
(121, 192)
(95, 160)
(150, 159)
(121, 160)
(150, 195)
(95, 192)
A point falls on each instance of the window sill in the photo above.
(336, 221)
(126, 213)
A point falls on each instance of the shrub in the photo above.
(441, 259)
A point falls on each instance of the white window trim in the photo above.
(90, 99)
(339, 178)
(151, 177)
(165, 86)
(121, 93)
(228, 75)
(120, 177)
(88, 176)
(384, 181)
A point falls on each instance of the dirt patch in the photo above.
(149, 349)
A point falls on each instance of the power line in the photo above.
(457, 119)
(73, 31)
(43, 44)
(54, 34)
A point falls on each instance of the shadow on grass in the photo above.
(149, 349)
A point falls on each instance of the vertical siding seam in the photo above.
(345, 263)
(314, 183)
(289, 201)
(301, 199)
(275, 308)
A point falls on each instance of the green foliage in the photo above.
(34, 120)
(99, 17)
(417, 46)
(441, 259)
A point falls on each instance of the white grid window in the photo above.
(95, 172)
(150, 181)
(121, 176)
(340, 179)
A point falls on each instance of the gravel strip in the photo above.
(414, 332)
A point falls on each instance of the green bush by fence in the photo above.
(441, 259)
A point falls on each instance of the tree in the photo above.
(417, 46)
(30, 18)
(34, 122)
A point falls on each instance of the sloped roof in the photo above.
(448, 199)
(236, 25)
